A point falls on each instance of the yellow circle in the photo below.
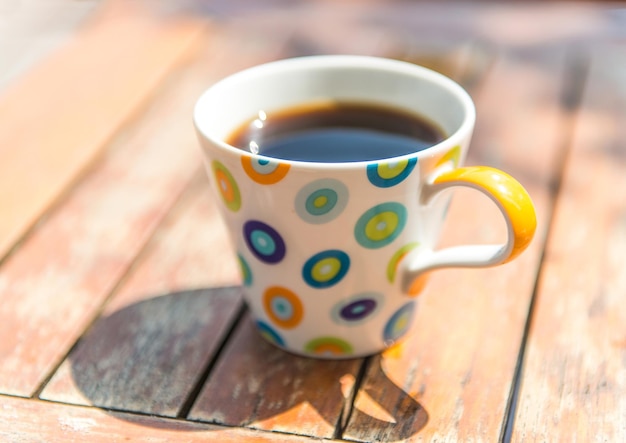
(402, 323)
(381, 226)
(325, 269)
(385, 171)
(320, 201)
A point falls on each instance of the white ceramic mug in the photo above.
(333, 254)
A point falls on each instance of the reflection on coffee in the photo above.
(336, 132)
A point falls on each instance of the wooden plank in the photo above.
(53, 286)
(152, 342)
(373, 28)
(60, 115)
(257, 385)
(27, 34)
(147, 356)
(24, 420)
(451, 379)
(574, 377)
(191, 249)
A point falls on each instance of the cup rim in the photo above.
(339, 61)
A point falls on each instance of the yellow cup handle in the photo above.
(512, 200)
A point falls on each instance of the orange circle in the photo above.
(265, 179)
(271, 294)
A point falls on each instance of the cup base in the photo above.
(329, 355)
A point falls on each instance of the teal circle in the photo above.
(307, 203)
(388, 234)
(281, 307)
(331, 201)
(263, 242)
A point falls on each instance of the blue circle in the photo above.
(264, 242)
(270, 334)
(399, 323)
(375, 177)
(310, 273)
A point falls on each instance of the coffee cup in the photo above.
(335, 238)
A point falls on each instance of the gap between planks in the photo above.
(574, 79)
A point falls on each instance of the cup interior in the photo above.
(286, 83)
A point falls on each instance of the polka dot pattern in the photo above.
(226, 186)
(263, 170)
(322, 250)
(264, 242)
(380, 225)
(387, 174)
(326, 268)
(283, 307)
(321, 201)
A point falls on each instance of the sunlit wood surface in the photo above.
(121, 316)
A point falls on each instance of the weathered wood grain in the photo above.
(24, 420)
(259, 386)
(452, 378)
(152, 342)
(52, 287)
(147, 356)
(574, 374)
(60, 115)
(448, 382)
(191, 249)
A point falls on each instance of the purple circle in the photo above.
(264, 241)
(358, 309)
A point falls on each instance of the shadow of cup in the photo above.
(178, 355)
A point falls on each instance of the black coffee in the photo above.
(336, 132)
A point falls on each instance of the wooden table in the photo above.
(121, 317)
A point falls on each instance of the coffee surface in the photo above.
(336, 132)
